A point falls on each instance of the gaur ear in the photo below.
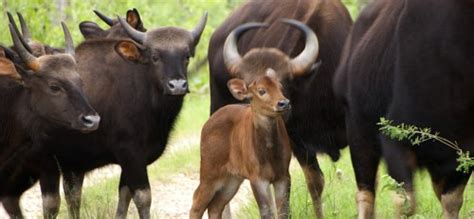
(129, 51)
(7, 68)
(90, 29)
(238, 88)
(133, 18)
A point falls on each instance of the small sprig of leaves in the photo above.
(416, 136)
(390, 184)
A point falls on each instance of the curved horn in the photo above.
(12, 21)
(29, 59)
(24, 28)
(231, 54)
(303, 62)
(104, 18)
(138, 36)
(69, 48)
(197, 31)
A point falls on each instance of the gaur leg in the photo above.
(49, 183)
(449, 190)
(220, 96)
(125, 196)
(223, 196)
(13, 188)
(282, 196)
(135, 174)
(400, 163)
(12, 206)
(263, 195)
(313, 175)
(365, 156)
(203, 195)
(72, 185)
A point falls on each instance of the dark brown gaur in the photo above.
(141, 74)
(409, 61)
(141, 130)
(45, 97)
(241, 142)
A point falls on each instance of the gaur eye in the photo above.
(55, 88)
(262, 92)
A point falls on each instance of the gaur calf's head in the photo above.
(265, 94)
(165, 50)
(53, 87)
(258, 61)
(91, 30)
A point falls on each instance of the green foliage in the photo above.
(417, 135)
(466, 162)
(353, 7)
(390, 184)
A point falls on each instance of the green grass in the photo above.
(192, 117)
(339, 194)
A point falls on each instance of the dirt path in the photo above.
(174, 199)
(171, 199)
(31, 203)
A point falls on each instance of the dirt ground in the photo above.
(171, 199)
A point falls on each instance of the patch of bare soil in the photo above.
(171, 199)
(31, 203)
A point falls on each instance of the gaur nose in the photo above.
(283, 104)
(178, 86)
(91, 122)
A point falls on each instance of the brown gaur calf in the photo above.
(246, 142)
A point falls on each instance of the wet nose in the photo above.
(283, 104)
(178, 86)
(90, 122)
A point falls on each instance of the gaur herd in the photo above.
(286, 78)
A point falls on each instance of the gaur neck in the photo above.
(266, 127)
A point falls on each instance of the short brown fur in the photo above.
(245, 142)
